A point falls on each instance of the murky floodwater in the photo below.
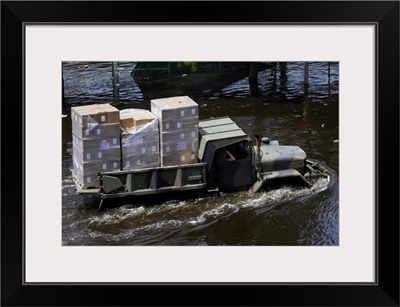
(286, 216)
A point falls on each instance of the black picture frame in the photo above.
(383, 14)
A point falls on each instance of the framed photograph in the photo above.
(317, 74)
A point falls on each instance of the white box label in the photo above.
(182, 136)
(99, 155)
(103, 118)
(178, 125)
(183, 113)
(88, 156)
(98, 131)
(104, 166)
(143, 150)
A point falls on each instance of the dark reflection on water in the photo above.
(288, 216)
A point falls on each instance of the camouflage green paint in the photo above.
(274, 158)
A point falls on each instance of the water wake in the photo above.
(143, 224)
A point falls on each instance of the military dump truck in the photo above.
(226, 160)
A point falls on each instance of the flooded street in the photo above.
(283, 111)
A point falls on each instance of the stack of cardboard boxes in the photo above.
(106, 139)
(140, 143)
(178, 122)
(96, 142)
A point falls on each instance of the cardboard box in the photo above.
(131, 118)
(179, 146)
(86, 172)
(96, 155)
(93, 114)
(141, 161)
(184, 135)
(96, 144)
(88, 180)
(97, 166)
(96, 131)
(179, 158)
(130, 149)
(170, 125)
(174, 108)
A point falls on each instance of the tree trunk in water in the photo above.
(283, 71)
(63, 93)
(253, 79)
(305, 78)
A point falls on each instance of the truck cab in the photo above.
(234, 163)
(228, 152)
